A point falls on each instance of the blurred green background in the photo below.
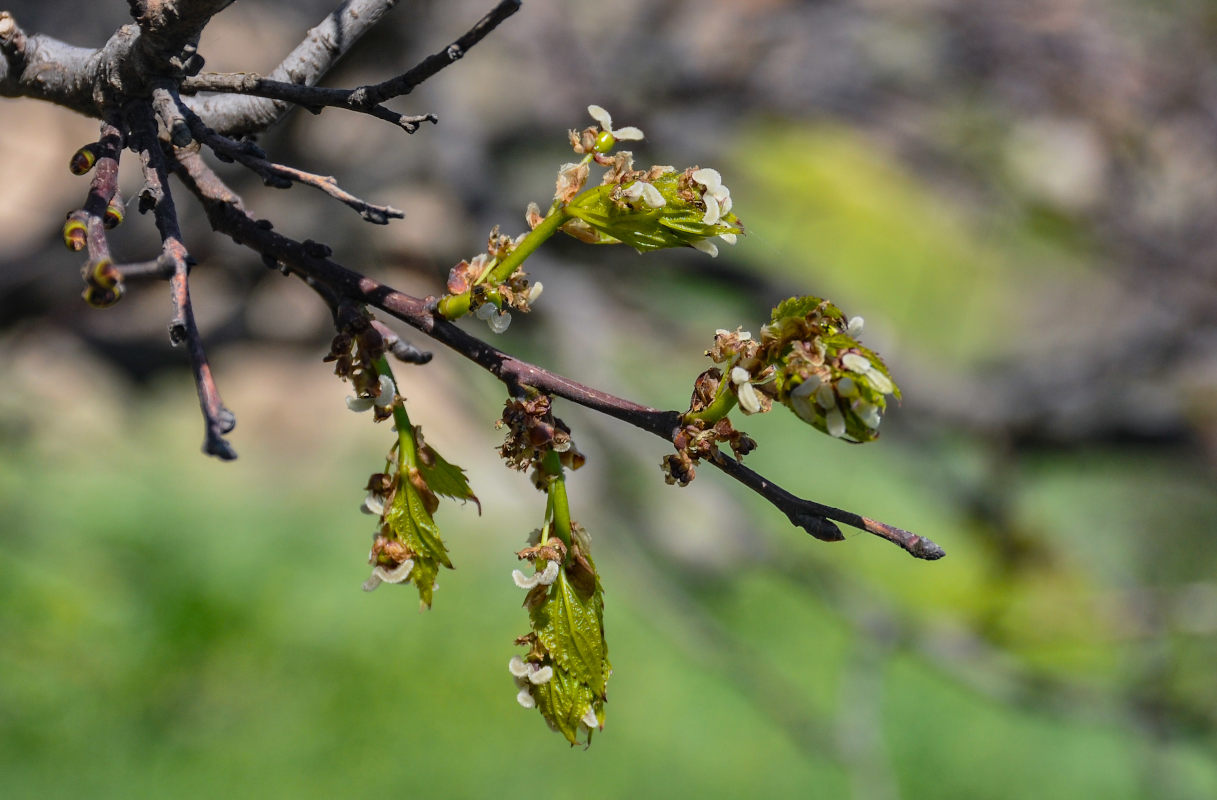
(1018, 199)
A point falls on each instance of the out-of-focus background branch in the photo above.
(1018, 197)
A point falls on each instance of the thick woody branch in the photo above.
(323, 45)
(365, 99)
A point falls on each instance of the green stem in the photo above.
(457, 305)
(557, 506)
(724, 400)
(407, 450)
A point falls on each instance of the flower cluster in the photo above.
(354, 352)
(532, 431)
(490, 299)
(823, 373)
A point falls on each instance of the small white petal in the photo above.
(601, 116)
(358, 404)
(706, 246)
(524, 698)
(549, 574)
(398, 574)
(709, 178)
(722, 332)
(729, 238)
(534, 292)
(712, 209)
(802, 407)
(879, 381)
(855, 362)
(539, 676)
(846, 387)
(499, 322)
(825, 397)
(589, 719)
(485, 311)
(740, 375)
(749, 401)
(806, 387)
(522, 580)
(371, 583)
(560, 446)
(855, 326)
(517, 667)
(724, 200)
(744, 336)
(628, 133)
(373, 504)
(652, 197)
(835, 422)
(869, 414)
(387, 393)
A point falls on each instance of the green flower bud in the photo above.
(656, 211)
(823, 373)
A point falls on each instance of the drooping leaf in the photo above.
(562, 701)
(570, 625)
(408, 520)
(444, 477)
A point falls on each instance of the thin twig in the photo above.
(217, 419)
(280, 176)
(375, 94)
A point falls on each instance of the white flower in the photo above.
(706, 246)
(855, 327)
(549, 574)
(499, 322)
(517, 667)
(651, 197)
(800, 398)
(398, 574)
(716, 196)
(606, 125)
(834, 421)
(879, 381)
(749, 400)
(544, 578)
(534, 292)
(846, 387)
(373, 504)
(358, 404)
(729, 238)
(387, 393)
(855, 362)
(869, 414)
(525, 699)
(589, 719)
(538, 675)
(826, 398)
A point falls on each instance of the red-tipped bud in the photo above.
(75, 234)
(83, 159)
(114, 211)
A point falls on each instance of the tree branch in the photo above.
(323, 45)
(217, 419)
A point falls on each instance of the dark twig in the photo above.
(323, 45)
(217, 419)
(365, 99)
(375, 94)
(312, 98)
(399, 347)
(280, 176)
(812, 516)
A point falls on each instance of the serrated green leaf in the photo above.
(571, 628)
(799, 307)
(562, 701)
(446, 478)
(677, 224)
(409, 521)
